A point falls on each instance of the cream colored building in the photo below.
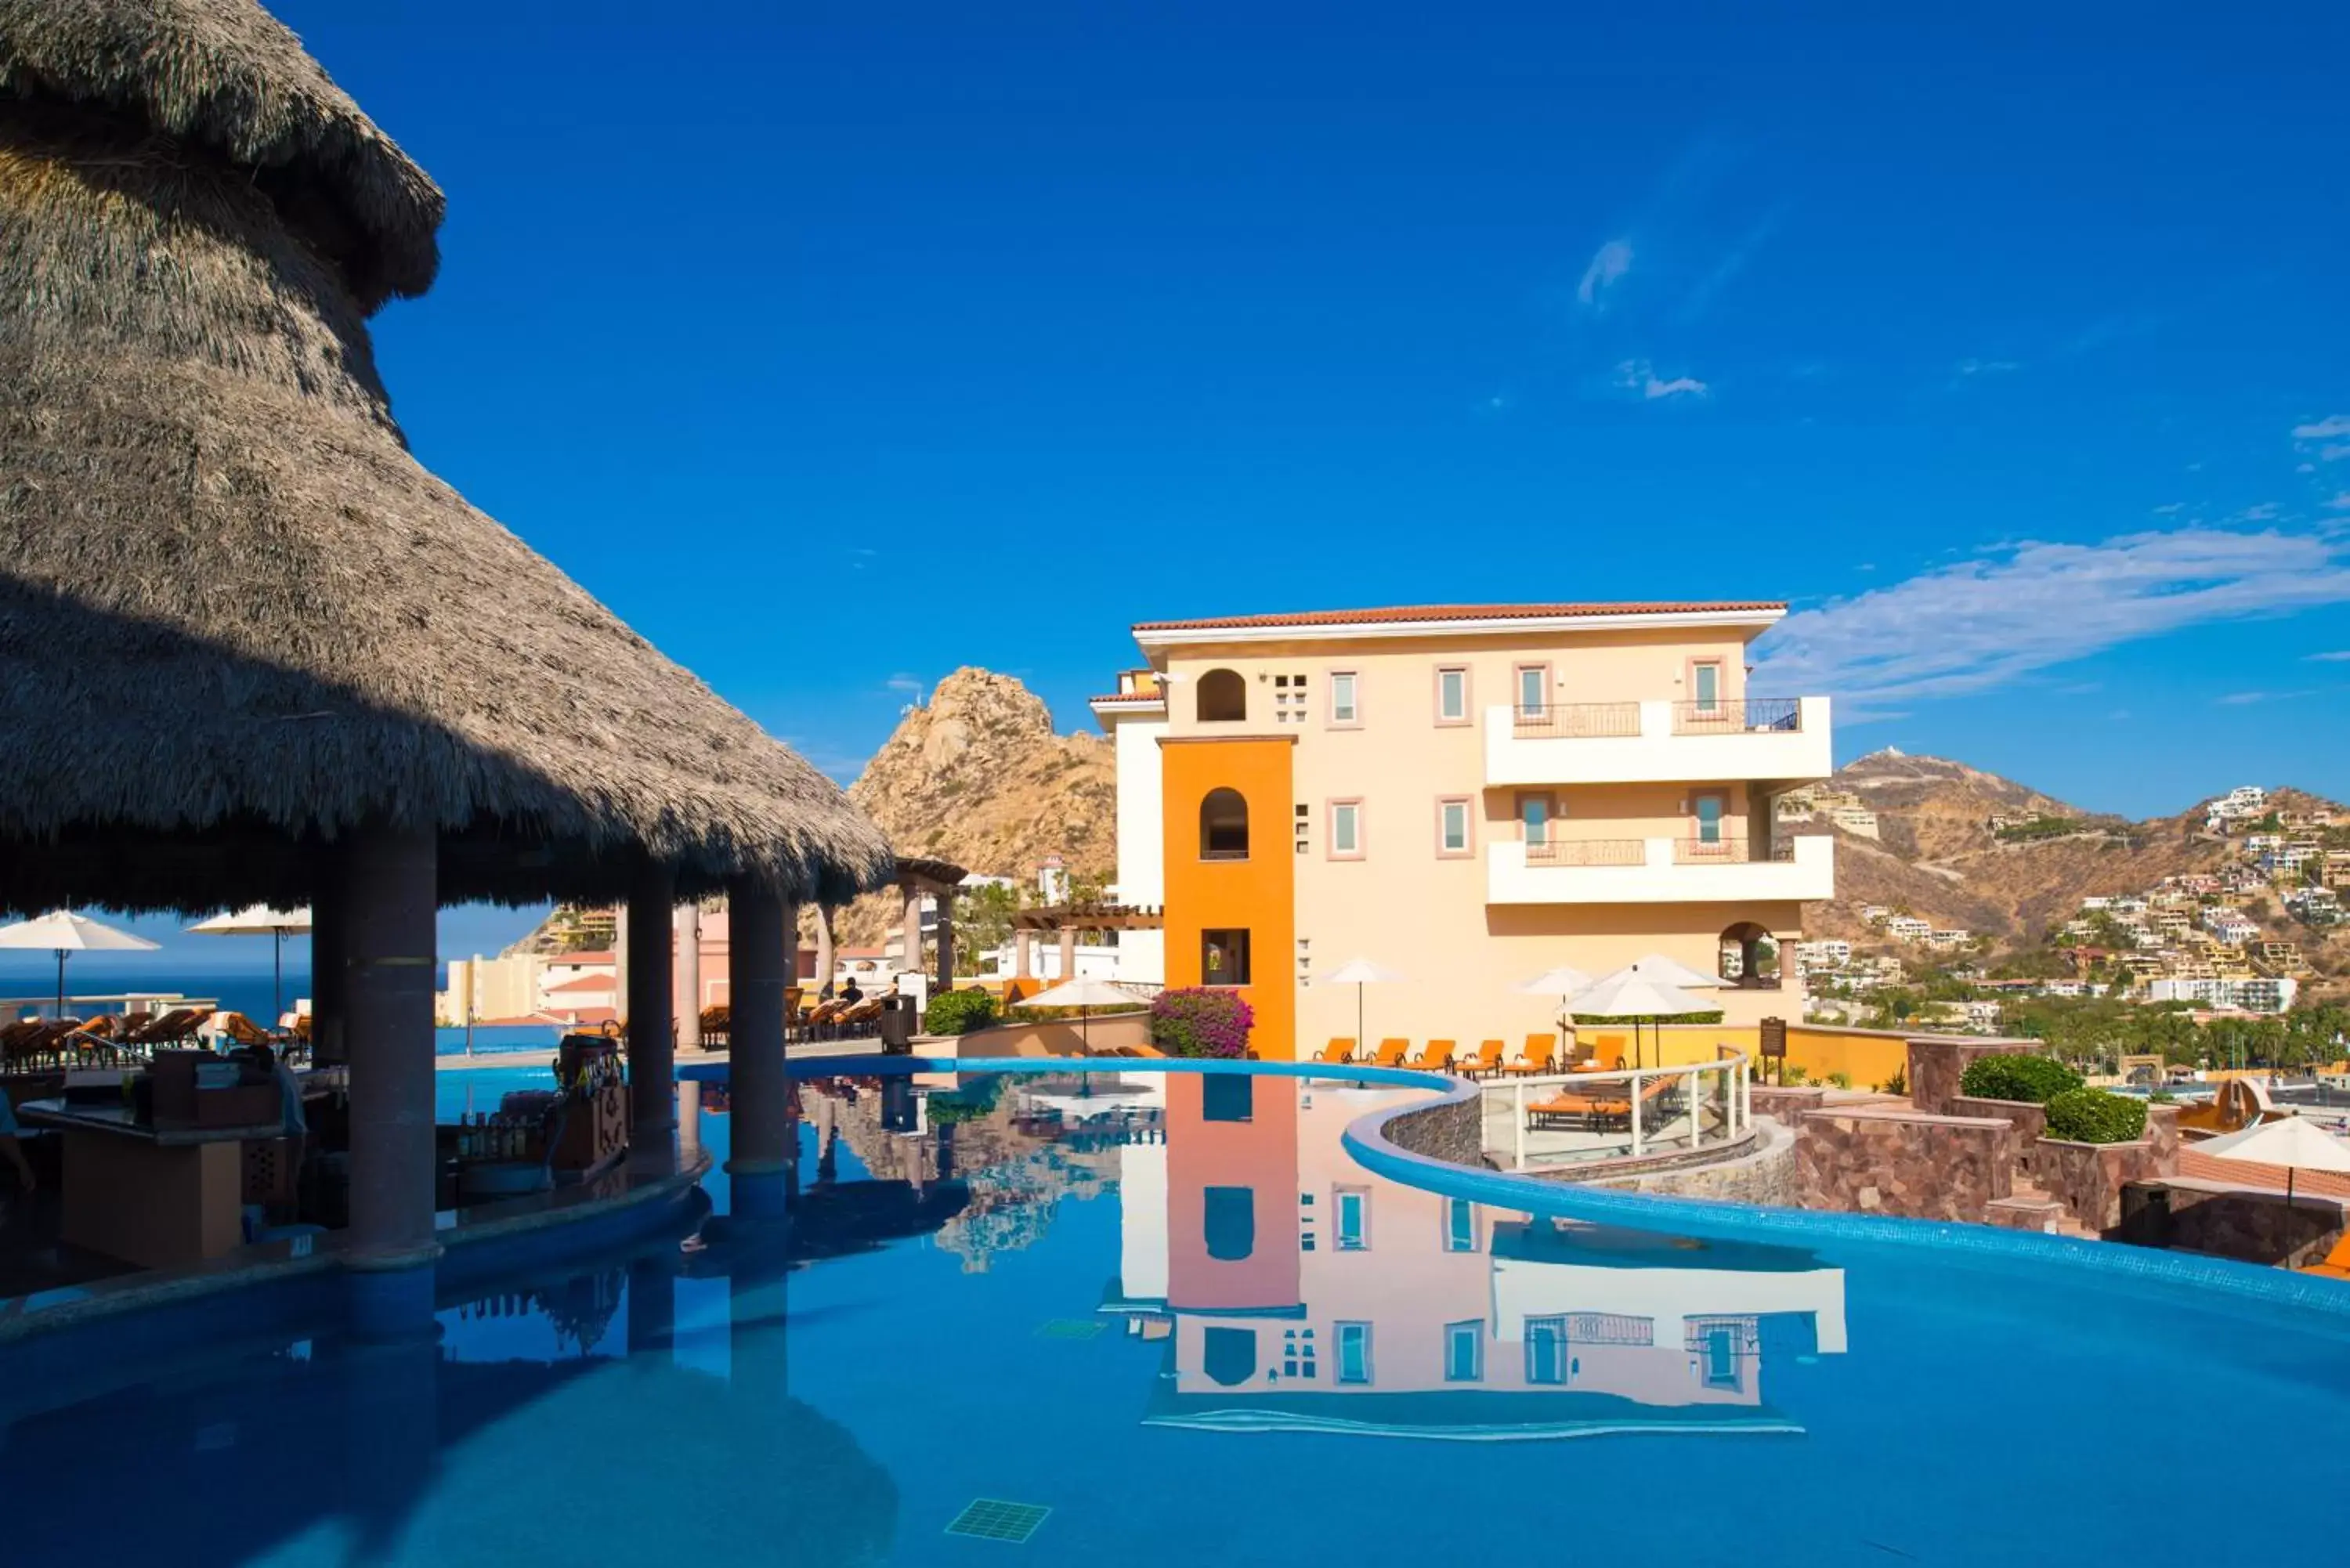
(1470, 796)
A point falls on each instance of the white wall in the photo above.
(1141, 869)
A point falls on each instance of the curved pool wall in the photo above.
(1366, 1141)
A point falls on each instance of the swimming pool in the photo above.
(1178, 1315)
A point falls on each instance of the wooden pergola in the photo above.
(1066, 921)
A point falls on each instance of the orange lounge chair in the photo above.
(2335, 1264)
(1340, 1049)
(1436, 1056)
(1391, 1053)
(1539, 1056)
(1488, 1059)
(1588, 1110)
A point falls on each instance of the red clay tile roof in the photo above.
(584, 982)
(1407, 614)
(1129, 697)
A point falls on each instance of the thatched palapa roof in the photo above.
(237, 618)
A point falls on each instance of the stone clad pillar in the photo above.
(389, 876)
(1022, 964)
(824, 957)
(760, 923)
(687, 992)
(648, 998)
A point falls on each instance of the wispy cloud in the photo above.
(1639, 376)
(912, 685)
(1609, 265)
(2324, 430)
(2337, 656)
(1976, 625)
(2168, 510)
(1718, 277)
(2265, 512)
(2246, 699)
(2341, 502)
(1986, 367)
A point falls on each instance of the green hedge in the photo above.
(957, 1013)
(2038, 1079)
(2093, 1116)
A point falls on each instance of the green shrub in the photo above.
(1840, 1080)
(2038, 1079)
(2093, 1116)
(1791, 1075)
(958, 1012)
(1897, 1085)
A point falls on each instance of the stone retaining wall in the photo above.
(2029, 1120)
(2088, 1178)
(1936, 1062)
(1453, 1133)
(1784, 1105)
(2246, 1223)
(1894, 1162)
(1768, 1175)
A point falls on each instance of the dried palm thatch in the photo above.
(237, 618)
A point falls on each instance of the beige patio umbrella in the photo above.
(1358, 974)
(1628, 995)
(1672, 971)
(260, 920)
(1561, 981)
(1084, 994)
(2289, 1141)
(64, 932)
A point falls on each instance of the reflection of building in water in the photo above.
(1300, 1292)
(1013, 1150)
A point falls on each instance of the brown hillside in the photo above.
(978, 776)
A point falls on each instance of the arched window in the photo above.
(1750, 957)
(1224, 696)
(1223, 826)
(1228, 1355)
(1230, 1222)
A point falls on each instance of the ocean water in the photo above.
(1153, 1320)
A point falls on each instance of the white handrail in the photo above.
(1735, 1100)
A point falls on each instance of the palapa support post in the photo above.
(329, 961)
(760, 972)
(824, 958)
(653, 1041)
(910, 931)
(390, 874)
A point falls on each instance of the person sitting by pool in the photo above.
(849, 994)
(10, 1149)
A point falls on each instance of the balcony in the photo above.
(1657, 742)
(1657, 871)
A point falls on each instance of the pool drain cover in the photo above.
(993, 1518)
(1070, 1328)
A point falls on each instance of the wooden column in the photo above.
(650, 996)
(759, 923)
(389, 876)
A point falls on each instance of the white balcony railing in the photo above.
(1657, 871)
(1659, 742)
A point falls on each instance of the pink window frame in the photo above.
(1468, 696)
(1330, 720)
(1468, 804)
(1330, 850)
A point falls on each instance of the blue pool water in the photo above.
(1177, 1314)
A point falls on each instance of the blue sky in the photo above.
(2013, 348)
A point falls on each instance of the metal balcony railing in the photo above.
(1556, 851)
(1575, 721)
(1739, 716)
(1728, 850)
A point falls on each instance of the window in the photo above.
(1354, 1205)
(1464, 1351)
(1224, 957)
(1227, 1097)
(1546, 1361)
(1452, 695)
(1720, 1355)
(1223, 826)
(1354, 1352)
(1229, 1222)
(1223, 697)
(1534, 691)
(1229, 1355)
(1460, 1223)
(1533, 815)
(1705, 687)
(1345, 709)
(1345, 830)
(1452, 827)
(1708, 809)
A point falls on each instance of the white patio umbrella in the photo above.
(63, 932)
(1358, 974)
(1563, 981)
(2289, 1142)
(1085, 995)
(1631, 996)
(257, 920)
